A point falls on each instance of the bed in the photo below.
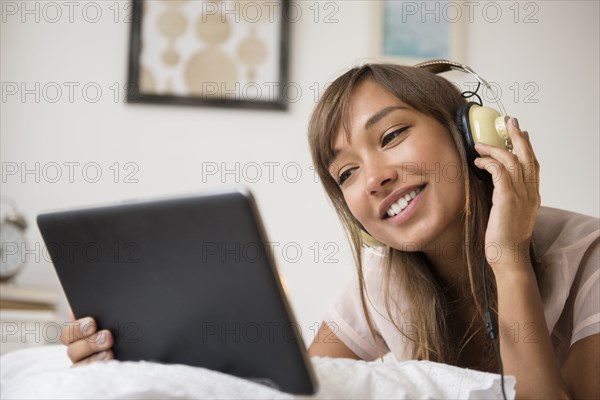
(45, 372)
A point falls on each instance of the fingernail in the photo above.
(101, 338)
(515, 123)
(85, 326)
(102, 355)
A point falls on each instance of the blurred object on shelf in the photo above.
(28, 316)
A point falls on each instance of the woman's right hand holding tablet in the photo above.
(84, 342)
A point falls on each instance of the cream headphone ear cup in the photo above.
(369, 240)
(481, 125)
(461, 117)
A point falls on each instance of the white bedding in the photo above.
(44, 372)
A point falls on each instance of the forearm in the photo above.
(525, 344)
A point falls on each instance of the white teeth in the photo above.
(403, 202)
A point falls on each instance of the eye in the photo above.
(391, 136)
(344, 175)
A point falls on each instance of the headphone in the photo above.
(477, 124)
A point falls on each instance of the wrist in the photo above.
(506, 254)
(514, 275)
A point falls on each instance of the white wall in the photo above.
(558, 54)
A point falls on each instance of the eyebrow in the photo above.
(375, 118)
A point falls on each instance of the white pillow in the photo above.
(44, 372)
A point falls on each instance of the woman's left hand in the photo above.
(515, 200)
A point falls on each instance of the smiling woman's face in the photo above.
(400, 173)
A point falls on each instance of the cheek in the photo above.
(444, 168)
(438, 159)
(356, 205)
(421, 159)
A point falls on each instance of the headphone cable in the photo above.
(491, 328)
(467, 94)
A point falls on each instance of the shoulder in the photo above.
(557, 215)
(557, 230)
(563, 242)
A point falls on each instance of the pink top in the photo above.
(567, 245)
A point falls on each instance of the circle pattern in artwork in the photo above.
(211, 70)
(202, 49)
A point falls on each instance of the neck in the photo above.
(446, 257)
(451, 271)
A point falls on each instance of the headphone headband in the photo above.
(441, 66)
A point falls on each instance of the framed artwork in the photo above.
(209, 53)
(409, 31)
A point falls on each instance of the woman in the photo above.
(393, 161)
(376, 141)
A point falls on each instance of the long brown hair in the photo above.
(436, 338)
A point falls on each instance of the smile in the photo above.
(403, 203)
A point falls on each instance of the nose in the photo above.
(378, 177)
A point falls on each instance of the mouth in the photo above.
(402, 203)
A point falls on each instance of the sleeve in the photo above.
(346, 318)
(586, 309)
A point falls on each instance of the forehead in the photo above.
(367, 99)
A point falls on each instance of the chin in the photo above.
(424, 233)
(408, 245)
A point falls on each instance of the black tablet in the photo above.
(188, 280)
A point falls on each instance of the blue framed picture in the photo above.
(415, 31)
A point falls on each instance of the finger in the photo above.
(521, 146)
(500, 177)
(528, 141)
(509, 161)
(531, 172)
(88, 346)
(504, 156)
(101, 356)
(77, 330)
(523, 149)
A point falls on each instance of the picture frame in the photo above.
(209, 53)
(407, 32)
